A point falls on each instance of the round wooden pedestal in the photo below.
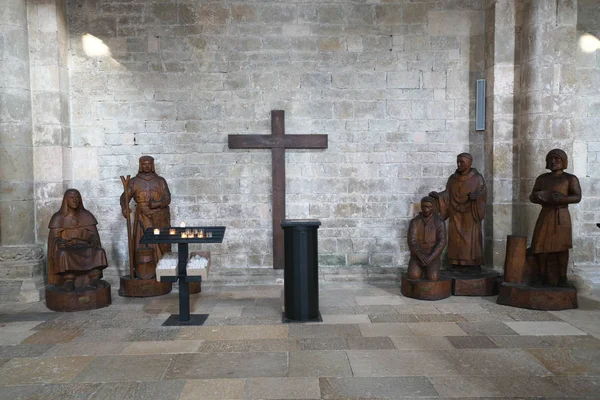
(424, 289)
(537, 298)
(143, 287)
(78, 300)
(482, 283)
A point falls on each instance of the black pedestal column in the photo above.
(301, 271)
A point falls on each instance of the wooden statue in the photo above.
(536, 278)
(152, 197)
(552, 236)
(75, 258)
(463, 205)
(426, 241)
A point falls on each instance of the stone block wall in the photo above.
(391, 83)
(587, 140)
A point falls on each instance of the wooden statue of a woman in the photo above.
(75, 258)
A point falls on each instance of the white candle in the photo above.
(182, 224)
(171, 231)
(157, 231)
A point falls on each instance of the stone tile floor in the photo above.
(373, 343)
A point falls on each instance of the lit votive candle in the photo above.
(183, 235)
(182, 224)
(171, 231)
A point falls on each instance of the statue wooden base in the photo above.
(477, 283)
(423, 289)
(547, 298)
(88, 298)
(143, 287)
(195, 287)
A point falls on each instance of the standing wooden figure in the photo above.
(75, 259)
(552, 236)
(152, 197)
(463, 205)
(537, 278)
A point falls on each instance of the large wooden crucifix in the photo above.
(278, 141)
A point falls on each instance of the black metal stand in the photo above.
(184, 317)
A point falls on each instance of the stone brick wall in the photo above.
(391, 83)
(587, 142)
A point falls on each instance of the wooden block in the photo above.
(482, 283)
(143, 287)
(89, 299)
(548, 298)
(424, 289)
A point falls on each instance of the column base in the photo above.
(22, 274)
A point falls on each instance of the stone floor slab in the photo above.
(385, 329)
(319, 363)
(257, 345)
(94, 336)
(244, 332)
(375, 363)
(538, 328)
(346, 319)
(162, 347)
(282, 388)
(422, 343)
(370, 343)
(22, 371)
(86, 349)
(439, 318)
(461, 309)
(323, 331)
(395, 317)
(214, 389)
(464, 386)
(24, 350)
(526, 386)
(486, 328)
(163, 390)
(53, 336)
(379, 300)
(436, 329)
(376, 388)
(472, 342)
(72, 391)
(126, 368)
(569, 361)
(519, 342)
(575, 386)
(332, 343)
(487, 362)
(153, 334)
(228, 365)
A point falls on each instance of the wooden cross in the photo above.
(278, 141)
